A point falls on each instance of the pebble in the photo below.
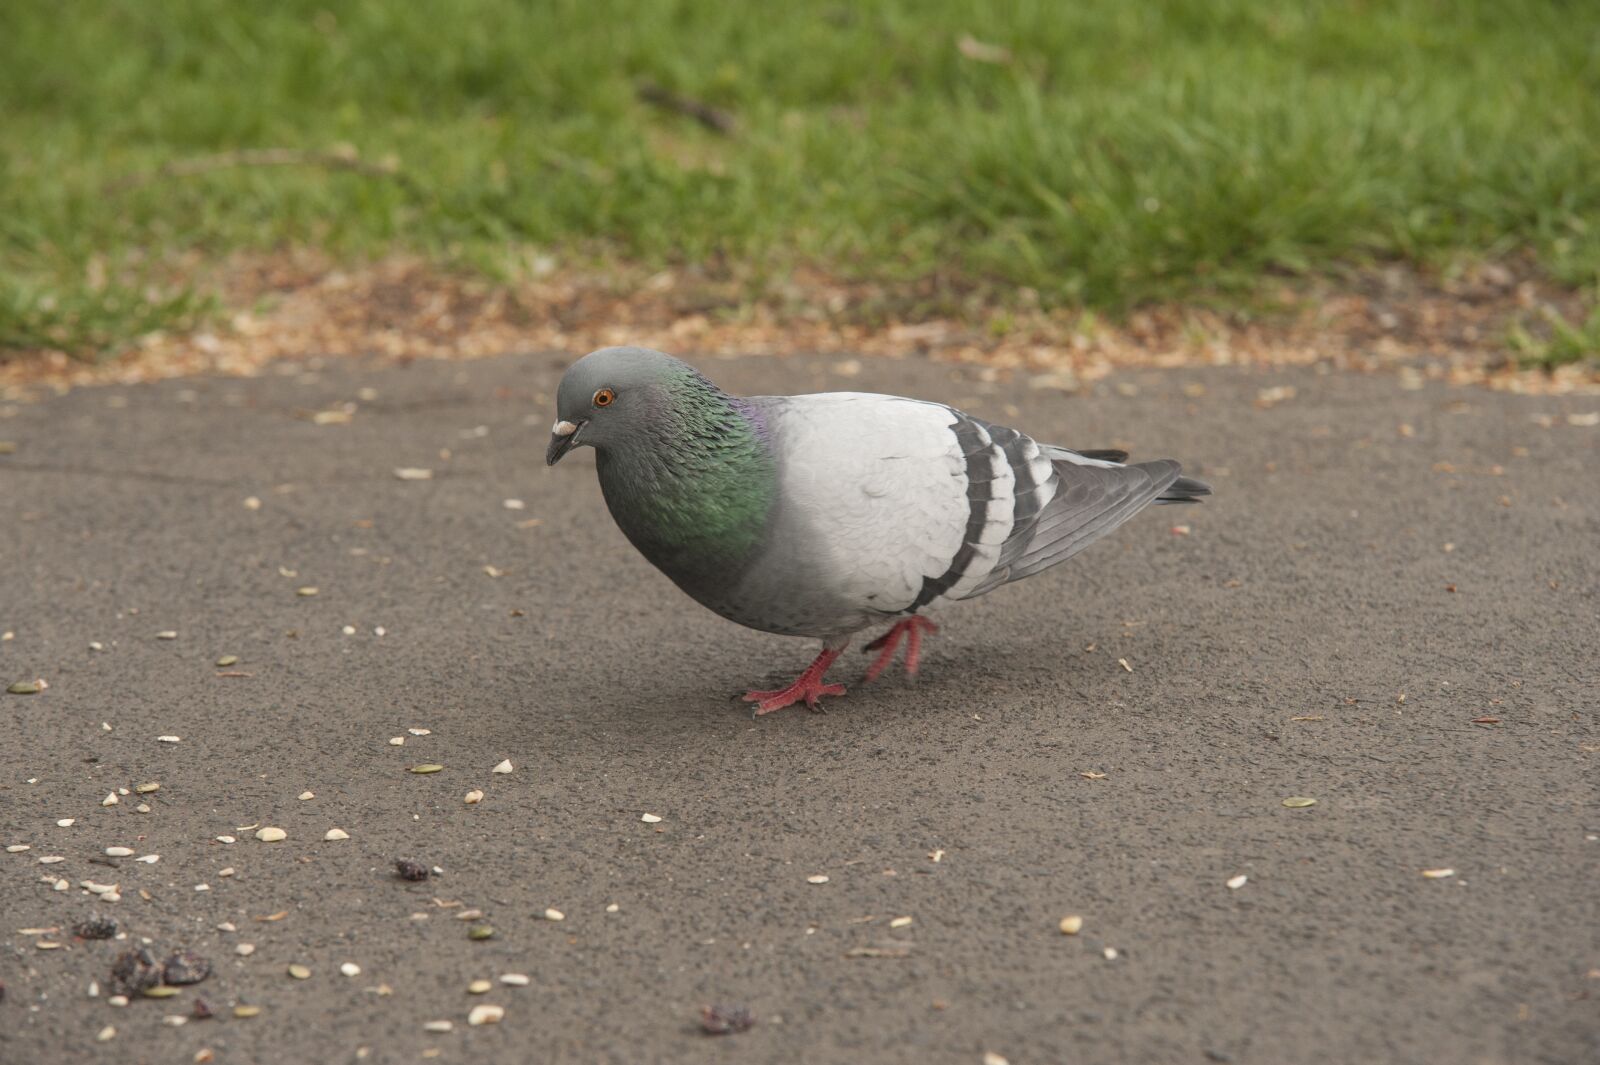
(485, 1014)
(514, 979)
(110, 800)
(226, 872)
(119, 852)
(334, 834)
(503, 767)
(397, 741)
(271, 835)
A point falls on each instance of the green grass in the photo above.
(1127, 152)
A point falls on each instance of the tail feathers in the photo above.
(1184, 490)
(1108, 454)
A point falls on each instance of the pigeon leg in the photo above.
(911, 630)
(807, 686)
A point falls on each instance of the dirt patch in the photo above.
(298, 304)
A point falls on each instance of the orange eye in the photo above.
(604, 397)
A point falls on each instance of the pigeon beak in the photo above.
(563, 435)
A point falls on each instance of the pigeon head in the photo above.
(614, 396)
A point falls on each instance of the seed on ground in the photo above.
(427, 767)
(229, 871)
(169, 739)
(480, 931)
(106, 1034)
(413, 473)
(485, 1014)
(479, 987)
(1297, 802)
(51, 859)
(66, 822)
(334, 834)
(119, 852)
(473, 797)
(243, 1012)
(649, 819)
(228, 660)
(514, 979)
(1237, 882)
(147, 787)
(18, 848)
(271, 835)
(304, 795)
(1071, 925)
(167, 635)
(226, 839)
(244, 950)
(437, 1026)
(503, 767)
(350, 968)
(397, 741)
(900, 922)
(1438, 874)
(307, 591)
(420, 731)
(817, 878)
(299, 972)
(160, 991)
(25, 687)
(110, 799)
(554, 915)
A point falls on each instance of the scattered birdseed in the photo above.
(1123, 662)
(480, 931)
(397, 741)
(350, 968)
(1438, 874)
(613, 908)
(991, 1058)
(106, 1034)
(307, 591)
(147, 788)
(1110, 953)
(410, 870)
(228, 660)
(51, 859)
(25, 687)
(479, 987)
(110, 799)
(119, 852)
(485, 1014)
(299, 972)
(726, 1020)
(202, 887)
(304, 795)
(142, 808)
(649, 819)
(66, 822)
(169, 739)
(117, 1000)
(18, 848)
(185, 967)
(226, 872)
(47, 944)
(437, 1026)
(97, 889)
(227, 926)
(160, 991)
(413, 473)
(1071, 926)
(226, 839)
(380, 631)
(334, 834)
(427, 767)
(514, 504)
(167, 635)
(349, 630)
(514, 979)
(271, 835)
(817, 879)
(252, 503)
(503, 767)
(1237, 882)
(1297, 802)
(244, 950)
(474, 797)
(244, 1012)
(554, 915)
(900, 922)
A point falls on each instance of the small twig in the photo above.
(713, 118)
(265, 157)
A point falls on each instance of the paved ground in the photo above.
(1269, 652)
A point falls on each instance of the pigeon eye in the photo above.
(604, 397)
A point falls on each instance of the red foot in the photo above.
(807, 686)
(910, 628)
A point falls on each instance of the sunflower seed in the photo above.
(479, 987)
(1110, 953)
(514, 980)
(1071, 926)
(117, 1000)
(350, 968)
(229, 871)
(1237, 882)
(271, 835)
(485, 1014)
(299, 972)
(427, 767)
(119, 852)
(1297, 802)
(349, 630)
(334, 834)
(474, 797)
(503, 767)
(420, 731)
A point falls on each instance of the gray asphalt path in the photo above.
(1027, 775)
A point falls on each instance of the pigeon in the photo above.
(823, 515)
